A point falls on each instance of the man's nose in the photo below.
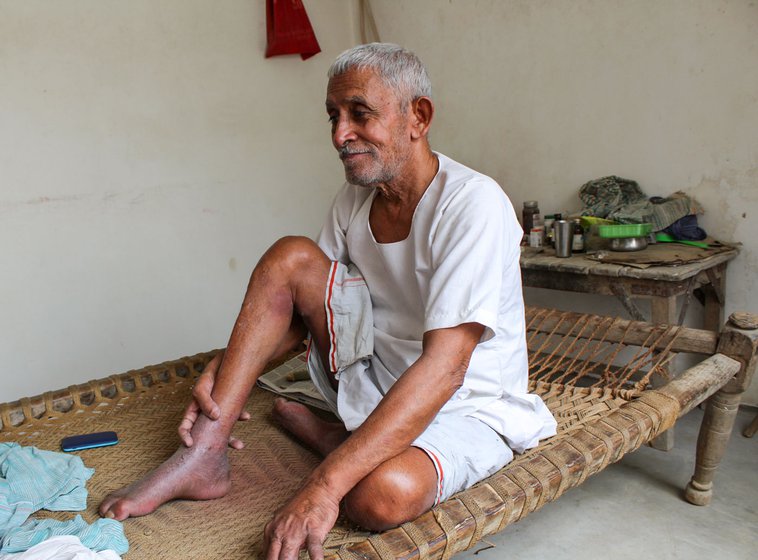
(343, 131)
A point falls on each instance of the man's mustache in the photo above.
(348, 149)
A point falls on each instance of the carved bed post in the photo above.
(738, 340)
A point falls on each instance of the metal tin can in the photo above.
(563, 238)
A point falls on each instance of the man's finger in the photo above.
(291, 548)
(185, 427)
(271, 545)
(244, 415)
(235, 443)
(315, 548)
(273, 549)
(202, 394)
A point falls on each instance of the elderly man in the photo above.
(412, 301)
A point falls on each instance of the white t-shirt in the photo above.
(459, 264)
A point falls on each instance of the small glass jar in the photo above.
(530, 216)
(577, 240)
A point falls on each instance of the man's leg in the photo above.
(399, 490)
(286, 291)
(453, 453)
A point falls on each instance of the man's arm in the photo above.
(402, 415)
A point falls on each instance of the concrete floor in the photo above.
(634, 509)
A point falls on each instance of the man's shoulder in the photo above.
(454, 174)
(460, 181)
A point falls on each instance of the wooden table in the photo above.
(662, 285)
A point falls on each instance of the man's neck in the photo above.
(408, 189)
(393, 208)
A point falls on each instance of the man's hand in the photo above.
(302, 523)
(203, 403)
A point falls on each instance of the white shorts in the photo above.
(464, 450)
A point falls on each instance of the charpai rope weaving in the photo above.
(595, 388)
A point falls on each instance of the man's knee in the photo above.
(291, 257)
(294, 251)
(294, 270)
(387, 498)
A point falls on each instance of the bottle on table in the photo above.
(536, 236)
(577, 240)
(549, 219)
(551, 232)
(530, 216)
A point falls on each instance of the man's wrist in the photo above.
(322, 481)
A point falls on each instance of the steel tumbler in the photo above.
(563, 237)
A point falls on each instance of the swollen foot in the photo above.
(320, 435)
(190, 473)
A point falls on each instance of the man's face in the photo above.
(369, 129)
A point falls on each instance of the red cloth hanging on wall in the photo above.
(288, 29)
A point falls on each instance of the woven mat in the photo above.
(144, 408)
(264, 474)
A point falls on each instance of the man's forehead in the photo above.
(358, 86)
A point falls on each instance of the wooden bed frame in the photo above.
(593, 372)
(543, 474)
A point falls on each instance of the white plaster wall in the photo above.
(545, 95)
(149, 154)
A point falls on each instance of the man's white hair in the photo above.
(399, 68)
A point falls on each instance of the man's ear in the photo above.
(422, 112)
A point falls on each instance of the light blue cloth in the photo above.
(32, 479)
(103, 534)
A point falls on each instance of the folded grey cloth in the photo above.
(622, 200)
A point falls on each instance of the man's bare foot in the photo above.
(194, 473)
(318, 434)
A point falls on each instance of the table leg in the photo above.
(713, 314)
(623, 295)
(663, 310)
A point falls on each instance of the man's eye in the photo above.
(359, 114)
(332, 119)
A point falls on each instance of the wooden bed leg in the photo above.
(715, 430)
(738, 340)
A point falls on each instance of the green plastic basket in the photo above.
(624, 230)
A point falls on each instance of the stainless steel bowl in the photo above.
(628, 243)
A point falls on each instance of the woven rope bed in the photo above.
(593, 372)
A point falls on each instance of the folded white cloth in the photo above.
(61, 548)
